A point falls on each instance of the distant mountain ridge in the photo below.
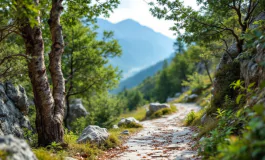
(136, 79)
(142, 46)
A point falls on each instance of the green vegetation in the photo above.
(164, 111)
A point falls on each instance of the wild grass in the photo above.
(164, 111)
(138, 114)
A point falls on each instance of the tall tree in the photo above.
(27, 18)
(85, 62)
(215, 19)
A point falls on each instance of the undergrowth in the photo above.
(164, 111)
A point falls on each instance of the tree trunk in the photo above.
(49, 108)
(208, 72)
(55, 56)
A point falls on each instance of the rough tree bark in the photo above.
(49, 106)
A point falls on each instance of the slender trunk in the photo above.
(55, 56)
(208, 72)
(67, 100)
(49, 107)
(71, 76)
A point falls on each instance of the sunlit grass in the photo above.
(138, 114)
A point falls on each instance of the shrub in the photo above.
(251, 145)
(111, 142)
(197, 81)
(161, 112)
(229, 123)
(190, 118)
(131, 125)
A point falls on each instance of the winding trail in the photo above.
(163, 138)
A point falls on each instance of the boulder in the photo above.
(153, 107)
(125, 121)
(93, 134)
(16, 149)
(191, 98)
(18, 96)
(13, 107)
(76, 110)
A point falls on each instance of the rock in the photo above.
(125, 132)
(18, 96)
(203, 119)
(202, 139)
(13, 107)
(170, 99)
(76, 110)
(125, 121)
(17, 149)
(153, 107)
(191, 98)
(177, 95)
(115, 126)
(93, 134)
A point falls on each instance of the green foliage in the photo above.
(132, 99)
(104, 111)
(190, 118)
(226, 76)
(196, 81)
(3, 155)
(255, 36)
(229, 123)
(54, 146)
(138, 114)
(44, 154)
(131, 125)
(251, 144)
(161, 112)
(111, 142)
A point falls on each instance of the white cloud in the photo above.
(138, 10)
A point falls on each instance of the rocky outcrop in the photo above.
(15, 149)
(13, 108)
(247, 67)
(76, 110)
(93, 134)
(127, 121)
(153, 107)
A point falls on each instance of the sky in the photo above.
(138, 10)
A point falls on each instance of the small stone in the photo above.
(125, 132)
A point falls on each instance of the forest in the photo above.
(56, 83)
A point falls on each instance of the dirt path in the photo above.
(163, 138)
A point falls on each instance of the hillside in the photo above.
(141, 46)
(140, 76)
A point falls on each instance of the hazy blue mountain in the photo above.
(142, 46)
(136, 79)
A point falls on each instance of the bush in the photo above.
(111, 142)
(131, 125)
(251, 145)
(229, 123)
(161, 112)
(190, 118)
(197, 81)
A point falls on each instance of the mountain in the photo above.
(136, 79)
(141, 46)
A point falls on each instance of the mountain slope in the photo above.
(140, 76)
(141, 45)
